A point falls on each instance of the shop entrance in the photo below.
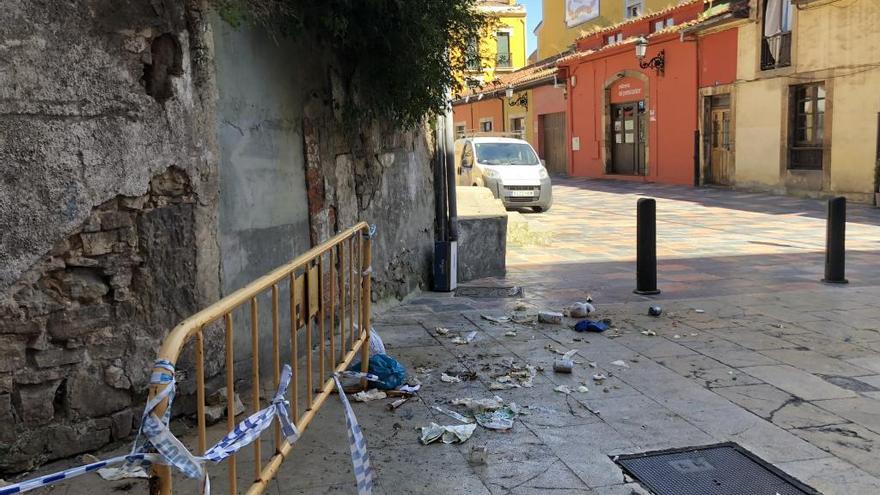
(628, 123)
(719, 143)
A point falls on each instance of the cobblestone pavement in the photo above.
(750, 348)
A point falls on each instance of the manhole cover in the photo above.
(724, 469)
(489, 292)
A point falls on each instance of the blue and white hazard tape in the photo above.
(154, 434)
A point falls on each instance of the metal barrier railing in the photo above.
(329, 288)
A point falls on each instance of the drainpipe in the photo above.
(449, 158)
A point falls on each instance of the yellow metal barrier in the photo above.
(329, 287)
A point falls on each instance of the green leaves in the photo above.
(397, 56)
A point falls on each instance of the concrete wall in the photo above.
(832, 44)
(107, 213)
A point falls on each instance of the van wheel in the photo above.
(540, 209)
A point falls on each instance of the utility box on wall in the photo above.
(445, 266)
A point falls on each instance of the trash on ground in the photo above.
(520, 306)
(570, 354)
(676, 336)
(399, 402)
(655, 311)
(699, 311)
(449, 378)
(592, 365)
(620, 363)
(580, 309)
(479, 455)
(549, 317)
(454, 415)
(562, 365)
(649, 333)
(599, 378)
(583, 389)
(499, 419)
(410, 389)
(590, 326)
(503, 385)
(215, 406)
(441, 330)
(524, 319)
(524, 375)
(391, 373)
(458, 340)
(562, 389)
(496, 319)
(421, 370)
(510, 334)
(368, 395)
(446, 434)
(123, 472)
(479, 405)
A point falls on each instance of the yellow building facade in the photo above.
(564, 21)
(808, 108)
(502, 46)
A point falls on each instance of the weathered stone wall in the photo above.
(108, 199)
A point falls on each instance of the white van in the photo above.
(509, 167)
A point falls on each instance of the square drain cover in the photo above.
(723, 469)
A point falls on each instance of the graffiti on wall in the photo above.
(578, 11)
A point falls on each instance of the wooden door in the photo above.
(553, 149)
(628, 135)
(720, 166)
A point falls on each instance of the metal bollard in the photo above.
(646, 247)
(835, 242)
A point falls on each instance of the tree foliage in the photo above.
(397, 57)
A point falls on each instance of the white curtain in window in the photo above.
(773, 17)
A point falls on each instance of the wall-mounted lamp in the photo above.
(573, 80)
(509, 92)
(657, 63)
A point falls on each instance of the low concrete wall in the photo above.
(482, 234)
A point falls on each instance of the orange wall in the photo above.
(471, 113)
(718, 58)
(672, 109)
(545, 99)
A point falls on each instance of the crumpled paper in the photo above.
(446, 433)
(499, 419)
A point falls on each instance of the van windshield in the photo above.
(505, 154)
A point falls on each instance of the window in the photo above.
(776, 41)
(806, 126)
(486, 125)
(473, 54)
(633, 8)
(614, 38)
(459, 130)
(662, 24)
(503, 58)
(517, 125)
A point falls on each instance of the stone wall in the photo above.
(108, 198)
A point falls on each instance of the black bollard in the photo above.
(646, 247)
(835, 242)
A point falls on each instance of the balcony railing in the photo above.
(504, 61)
(776, 51)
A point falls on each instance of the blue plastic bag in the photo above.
(391, 373)
(590, 326)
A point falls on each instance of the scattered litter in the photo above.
(524, 319)
(541, 408)
(88, 459)
(655, 311)
(525, 376)
(449, 379)
(499, 419)
(368, 395)
(441, 330)
(423, 371)
(391, 374)
(454, 415)
(562, 365)
(599, 378)
(503, 385)
(458, 340)
(410, 389)
(580, 309)
(563, 389)
(496, 319)
(510, 334)
(583, 389)
(446, 434)
(620, 363)
(376, 344)
(592, 365)
(479, 405)
(399, 402)
(479, 455)
(520, 306)
(122, 472)
(649, 333)
(503, 379)
(550, 317)
(570, 354)
(590, 326)
(694, 334)
(676, 336)
(699, 311)
(215, 406)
